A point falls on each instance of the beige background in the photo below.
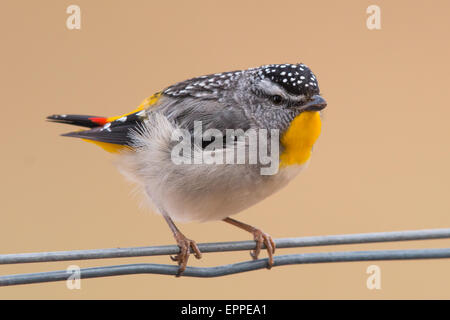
(381, 163)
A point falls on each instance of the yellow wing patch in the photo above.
(299, 138)
(117, 148)
(144, 105)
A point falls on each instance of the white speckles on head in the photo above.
(292, 77)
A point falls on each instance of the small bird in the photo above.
(281, 100)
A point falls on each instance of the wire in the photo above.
(227, 246)
(209, 272)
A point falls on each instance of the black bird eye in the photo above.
(276, 99)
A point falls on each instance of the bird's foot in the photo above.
(263, 238)
(185, 245)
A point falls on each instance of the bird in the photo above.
(281, 100)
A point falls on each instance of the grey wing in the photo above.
(212, 114)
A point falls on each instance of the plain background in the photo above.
(381, 163)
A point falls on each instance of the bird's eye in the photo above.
(276, 99)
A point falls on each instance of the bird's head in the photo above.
(269, 97)
(275, 94)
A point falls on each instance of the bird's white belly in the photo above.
(225, 196)
(196, 192)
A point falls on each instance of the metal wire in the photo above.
(227, 246)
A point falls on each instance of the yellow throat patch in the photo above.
(299, 138)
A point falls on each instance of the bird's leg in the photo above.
(185, 245)
(260, 238)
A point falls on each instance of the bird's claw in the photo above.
(263, 238)
(182, 257)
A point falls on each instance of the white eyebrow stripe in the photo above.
(271, 88)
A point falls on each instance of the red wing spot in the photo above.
(99, 121)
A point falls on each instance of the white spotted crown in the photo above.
(294, 78)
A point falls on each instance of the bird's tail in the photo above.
(79, 120)
(100, 132)
(110, 133)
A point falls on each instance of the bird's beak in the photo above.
(316, 103)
